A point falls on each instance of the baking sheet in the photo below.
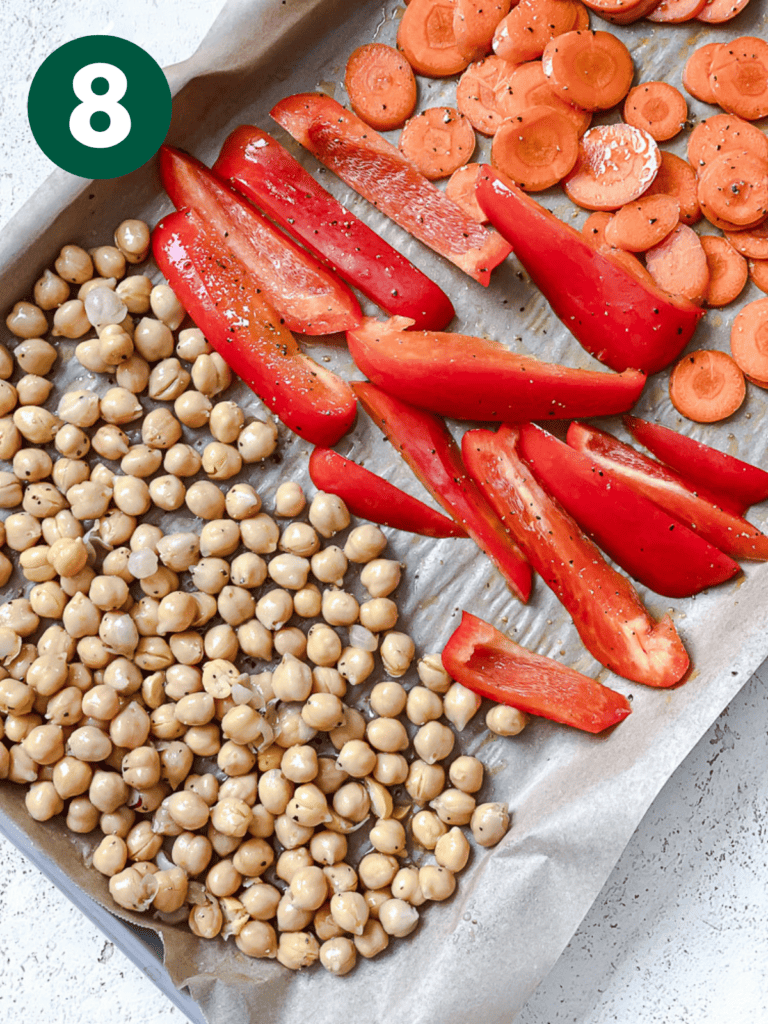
(576, 799)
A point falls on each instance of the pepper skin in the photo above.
(606, 609)
(470, 378)
(260, 168)
(490, 664)
(219, 295)
(425, 443)
(617, 318)
(376, 169)
(655, 549)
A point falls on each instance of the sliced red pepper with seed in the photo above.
(306, 295)
(490, 664)
(379, 172)
(644, 540)
(371, 497)
(621, 320)
(425, 443)
(606, 609)
(720, 526)
(470, 378)
(219, 295)
(260, 168)
(734, 483)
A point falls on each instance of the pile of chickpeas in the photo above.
(186, 694)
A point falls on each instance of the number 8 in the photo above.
(92, 103)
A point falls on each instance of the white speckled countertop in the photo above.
(678, 933)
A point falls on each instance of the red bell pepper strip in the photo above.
(425, 443)
(372, 497)
(489, 663)
(264, 171)
(232, 313)
(667, 489)
(645, 541)
(605, 607)
(737, 484)
(474, 379)
(378, 170)
(617, 318)
(306, 295)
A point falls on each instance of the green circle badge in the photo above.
(99, 106)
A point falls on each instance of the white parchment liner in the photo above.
(576, 799)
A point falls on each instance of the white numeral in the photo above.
(119, 118)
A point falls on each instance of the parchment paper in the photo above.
(575, 799)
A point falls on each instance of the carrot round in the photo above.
(676, 178)
(720, 134)
(749, 341)
(628, 262)
(381, 86)
(752, 243)
(427, 39)
(758, 274)
(621, 12)
(523, 34)
(529, 87)
(437, 141)
(592, 70)
(582, 19)
(715, 12)
(657, 107)
(739, 77)
(696, 73)
(707, 386)
(641, 225)
(460, 187)
(594, 228)
(733, 189)
(678, 265)
(728, 271)
(474, 22)
(674, 12)
(536, 149)
(616, 165)
(484, 92)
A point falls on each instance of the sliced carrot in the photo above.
(621, 12)
(657, 107)
(460, 187)
(707, 386)
(676, 178)
(739, 77)
(728, 271)
(749, 341)
(758, 274)
(679, 266)
(437, 141)
(527, 29)
(752, 243)
(582, 18)
(733, 189)
(483, 93)
(593, 70)
(720, 134)
(474, 22)
(696, 73)
(594, 228)
(629, 263)
(715, 12)
(529, 87)
(641, 225)
(616, 165)
(427, 39)
(536, 149)
(676, 11)
(381, 86)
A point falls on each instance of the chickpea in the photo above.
(108, 261)
(82, 816)
(32, 390)
(466, 774)
(300, 539)
(257, 441)
(460, 705)
(390, 769)
(119, 406)
(231, 817)
(329, 565)
(308, 888)
(134, 292)
(297, 949)
(205, 920)
(235, 759)
(432, 673)
(307, 602)
(355, 665)
(168, 380)
(10, 438)
(166, 306)
(10, 490)
(192, 853)
(427, 828)
(50, 291)
(74, 265)
(454, 807)
(132, 239)
(387, 735)
(436, 881)
(452, 851)
(405, 886)
(373, 941)
(364, 543)
(167, 493)
(70, 320)
(425, 781)
(141, 461)
(36, 356)
(64, 708)
(42, 801)
(323, 711)
(18, 616)
(22, 531)
(68, 555)
(352, 801)
(88, 353)
(299, 763)
(108, 791)
(44, 744)
(221, 461)
(36, 424)
(26, 320)
(8, 398)
(141, 767)
(339, 608)
(205, 500)
(210, 374)
(132, 374)
(71, 777)
(506, 721)
(489, 823)
(223, 879)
